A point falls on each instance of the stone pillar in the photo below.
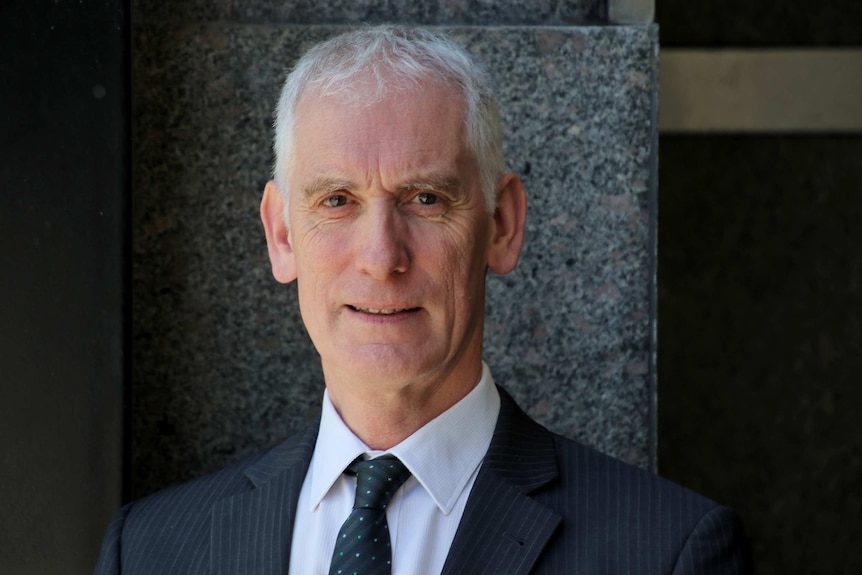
(222, 364)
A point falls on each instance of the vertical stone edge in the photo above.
(652, 247)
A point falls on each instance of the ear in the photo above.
(509, 218)
(277, 234)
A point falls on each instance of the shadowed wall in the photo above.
(760, 304)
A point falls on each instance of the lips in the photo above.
(385, 311)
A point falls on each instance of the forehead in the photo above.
(411, 126)
(365, 96)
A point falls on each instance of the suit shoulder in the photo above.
(236, 477)
(172, 526)
(170, 530)
(181, 510)
(155, 534)
(583, 468)
(637, 518)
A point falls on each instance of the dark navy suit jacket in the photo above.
(541, 504)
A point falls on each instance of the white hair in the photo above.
(395, 58)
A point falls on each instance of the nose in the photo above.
(381, 246)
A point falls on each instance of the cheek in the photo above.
(318, 269)
(320, 252)
(461, 237)
(468, 254)
(459, 267)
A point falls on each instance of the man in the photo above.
(390, 202)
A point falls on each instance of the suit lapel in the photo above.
(503, 530)
(252, 531)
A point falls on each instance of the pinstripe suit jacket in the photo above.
(541, 504)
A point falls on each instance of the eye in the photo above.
(335, 200)
(426, 198)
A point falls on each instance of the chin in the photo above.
(385, 364)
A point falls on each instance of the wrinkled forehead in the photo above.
(366, 105)
(411, 135)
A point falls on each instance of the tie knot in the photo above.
(377, 480)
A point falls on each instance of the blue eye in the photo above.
(426, 199)
(335, 201)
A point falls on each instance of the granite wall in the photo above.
(221, 362)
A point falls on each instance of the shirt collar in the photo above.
(459, 436)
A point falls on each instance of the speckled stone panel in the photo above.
(222, 364)
(422, 12)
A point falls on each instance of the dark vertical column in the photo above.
(760, 306)
(63, 195)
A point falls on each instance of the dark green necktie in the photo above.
(363, 546)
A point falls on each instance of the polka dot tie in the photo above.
(363, 546)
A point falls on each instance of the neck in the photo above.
(385, 417)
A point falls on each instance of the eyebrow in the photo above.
(324, 185)
(433, 182)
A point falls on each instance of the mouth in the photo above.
(386, 311)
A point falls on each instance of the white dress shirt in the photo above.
(443, 457)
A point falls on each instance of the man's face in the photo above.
(389, 231)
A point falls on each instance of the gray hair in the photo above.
(395, 58)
